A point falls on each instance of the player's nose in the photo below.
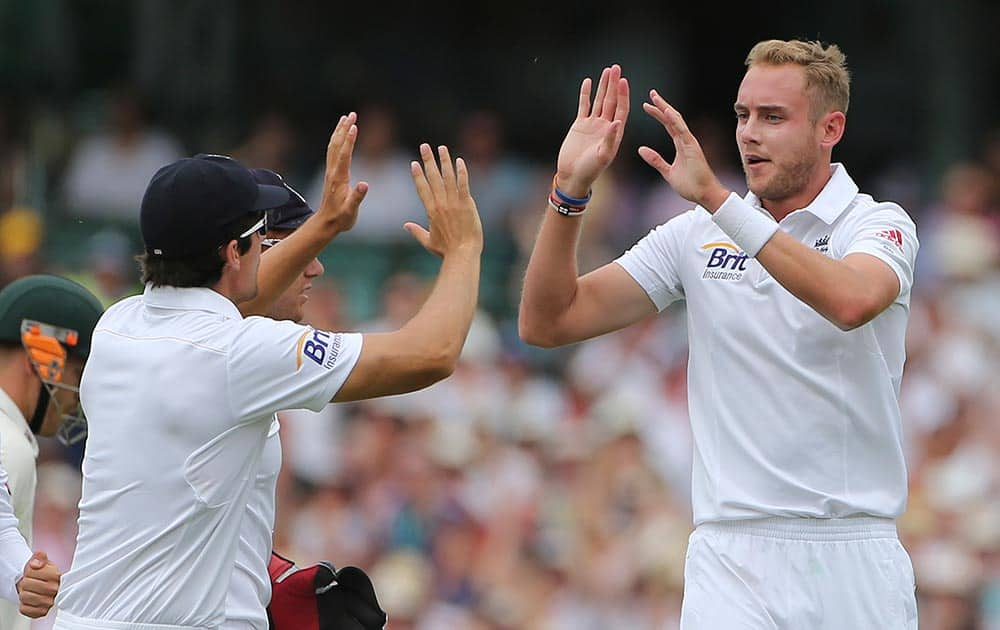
(746, 133)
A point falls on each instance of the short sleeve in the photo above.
(886, 232)
(14, 551)
(275, 366)
(654, 261)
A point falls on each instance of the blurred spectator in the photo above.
(991, 159)
(108, 171)
(110, 271)
(961, 239)
(21, 235)
(948, 585)
(392, 199)
(270, 144)
(12, 162)
(499, 180)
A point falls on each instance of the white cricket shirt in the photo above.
(14, 552)
(18, 452)
(250, 585)
(791, 416)
(180, 393)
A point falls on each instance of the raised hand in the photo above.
(37, 589)
(341, 201)
(689, 175)
(451, 210)
(595, 135)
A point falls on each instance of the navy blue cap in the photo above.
(291, 214)
(190, 205)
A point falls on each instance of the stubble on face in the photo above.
(790, 177)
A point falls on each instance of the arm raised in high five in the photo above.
(557, 306)
(338, 211)
(848, 292)
(426, 349)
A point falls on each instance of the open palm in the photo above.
(596, 134)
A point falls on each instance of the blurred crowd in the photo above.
(535, 489)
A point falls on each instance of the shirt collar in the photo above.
(190, 299)
(11, 410)
(830, 203)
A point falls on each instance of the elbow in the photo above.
(853, 314)
(440, 365)
(534, 335)
(442, 370)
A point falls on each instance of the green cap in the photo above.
(49, 300)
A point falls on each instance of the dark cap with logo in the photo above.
(190, 205)
(293, 212)
(51, 300)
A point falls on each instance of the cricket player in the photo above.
(27, 580)
(797, 301)
(46, 323)
(282, 222)
(181, 390)
(250, 590)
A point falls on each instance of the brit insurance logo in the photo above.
(725, 261)
(319, 346)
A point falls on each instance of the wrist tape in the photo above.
(749, 228)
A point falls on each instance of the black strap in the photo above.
(43, 404)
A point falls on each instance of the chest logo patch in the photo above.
(725, 261)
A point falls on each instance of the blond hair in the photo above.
(827, 79)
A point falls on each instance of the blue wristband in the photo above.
(573, 201)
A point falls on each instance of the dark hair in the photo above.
(197, 271)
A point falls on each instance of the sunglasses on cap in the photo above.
(259, 227)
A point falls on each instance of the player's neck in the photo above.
(781, 208)
(234, 287)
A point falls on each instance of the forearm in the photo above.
(14, 554)
(438, 331)
(840, 293)
(282, 264)
(550, 282)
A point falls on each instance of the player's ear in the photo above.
(832, 128)
(230, 253)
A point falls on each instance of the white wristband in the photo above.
(749, 228)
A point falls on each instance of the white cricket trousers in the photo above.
(798, 574)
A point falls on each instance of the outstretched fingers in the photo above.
(342, 166)
(419, 233)
(669, 117)
(655, 160)
(462, 172)
(357, 195)
(422, 186)
(584, 109)
(337, 139)
(621, 111)
(427, 198)
(610, 104)
(447, 170)
(431, 172)
(602, 90)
